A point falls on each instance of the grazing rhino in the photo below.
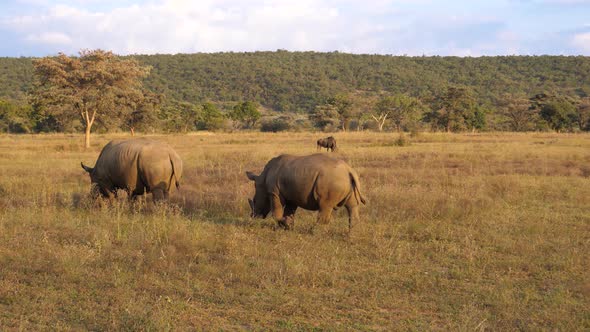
(329, 143)
(136, 166)
(314, 182)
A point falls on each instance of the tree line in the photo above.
(281, 90)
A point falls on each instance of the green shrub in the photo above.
(275, 125)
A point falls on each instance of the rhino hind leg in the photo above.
(158, 194)
(159, 190)
(353, 215)
(325, 214)
(139, 191)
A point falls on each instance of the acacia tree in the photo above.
(380, 116)
(338, 108)
(343, 106)
(363, 103)
(402, 109)
(144, 114)
(95, 84)
(324, 116)
(179, 116)
(518, 111)
(455, 107)
(211, 117)
(246, 112)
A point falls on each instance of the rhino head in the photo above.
(95, 188)
(260, 204)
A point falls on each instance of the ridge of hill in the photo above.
(298, 81)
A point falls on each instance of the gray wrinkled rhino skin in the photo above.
(329, 143)
(315, 182)
(137, 166)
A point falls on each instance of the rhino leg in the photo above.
(290, 209)
(135, 193)
(288, 220)
(325, 214)
(158, 195)
(276, 206)
(108, 193)
(284, 213)
(353, 214)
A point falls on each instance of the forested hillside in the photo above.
(299, 82)
(16, 76)
(287, 81)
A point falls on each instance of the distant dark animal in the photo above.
(329, 143)
(137, 166)
(315, 182)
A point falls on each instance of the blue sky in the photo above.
(453, 27)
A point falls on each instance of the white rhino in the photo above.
(314, 182)
(136, 166)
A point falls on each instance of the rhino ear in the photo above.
(86, 168)
(251, 176)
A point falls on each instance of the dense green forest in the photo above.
(287, 81)
(293, 89)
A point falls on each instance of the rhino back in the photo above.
(117, 164)
(136, 163)
(307, 180)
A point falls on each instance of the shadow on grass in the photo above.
(187, 205)
(182, 204)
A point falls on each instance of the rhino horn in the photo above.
(251, 176)
(86, 168)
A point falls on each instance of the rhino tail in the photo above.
(176, 169)
(356, 187)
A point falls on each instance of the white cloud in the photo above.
(411, 27)
(173, 26)
(50, 38)
(582, 42)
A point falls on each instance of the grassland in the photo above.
(461, 232)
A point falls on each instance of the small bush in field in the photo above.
(275, 125)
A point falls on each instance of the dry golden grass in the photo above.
(461, 232)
